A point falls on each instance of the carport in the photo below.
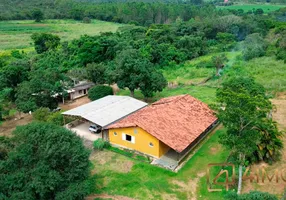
(102, 112)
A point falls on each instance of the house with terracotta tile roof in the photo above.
(166, 130)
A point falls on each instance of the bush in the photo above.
(41, 114)
(98, 92)
(100, 144)
(254, 46)
(86, 20)
(44, 115)
(56, 118)
(253, 195)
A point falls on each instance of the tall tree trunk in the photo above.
(241, 161)
(132, 93)
(239, 179)
(217, 71)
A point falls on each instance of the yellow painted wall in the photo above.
(142, 141)
(163, 149)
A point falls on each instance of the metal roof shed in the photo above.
(107, 110)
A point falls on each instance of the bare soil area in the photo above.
(10, 125)
(106, 196)
(75, 103)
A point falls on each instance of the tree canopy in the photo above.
(37, 15)
(44, 161)
(136, 72)
(99, 91)
(45, 41)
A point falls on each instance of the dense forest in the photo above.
(136, 12)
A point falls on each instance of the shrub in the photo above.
(56, 118)
(86, 20)
(100, 144)
(253, 195)
(99, 91)
(254, 46)
(41, 114)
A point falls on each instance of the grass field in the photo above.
(116, 174)
(247, 7)
(16, 34)
(189, 73)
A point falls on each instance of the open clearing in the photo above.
(249, 7)
(116, 174)
(17, 34)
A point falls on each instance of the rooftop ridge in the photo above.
(171, 100)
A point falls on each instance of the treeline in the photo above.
(132, 12)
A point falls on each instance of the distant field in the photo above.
(247, 7)
(16, 34)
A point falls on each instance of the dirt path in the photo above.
(106, 196)
(74, 104)
(9, 126)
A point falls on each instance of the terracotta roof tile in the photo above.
(176, 121)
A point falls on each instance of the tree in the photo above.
(45, 162)
(253, 46)
(99, 91)
(243, 109)
(259, 11)
(154, 83)
(45, 41)
(5, 103)
(12, 75)
(96, 73)
(281, 47)
(37, 15)
(218, 61)
(41, 90)
(136, 72)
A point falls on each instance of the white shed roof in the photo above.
(107, 110)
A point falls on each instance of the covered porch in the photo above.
(172, 159)
(81, 128)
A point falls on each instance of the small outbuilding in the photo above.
(101, 113)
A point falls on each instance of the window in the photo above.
(128, 138)
(80, 91)
(135, 131)
(115, 133)
(151, 144)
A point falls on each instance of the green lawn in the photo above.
(116, 174)
(203, 93)
(16, 34)
(247, 7)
